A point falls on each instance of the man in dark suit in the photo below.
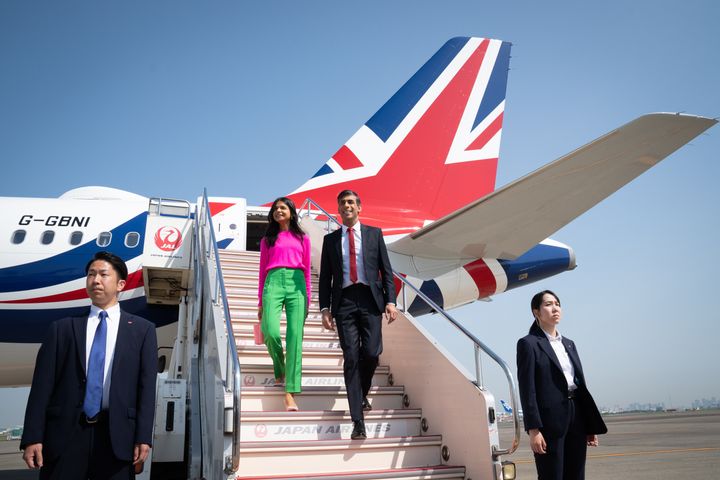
(356, 287)
(91, 407)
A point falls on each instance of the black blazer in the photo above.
(543, 388)
(58, 387)
(377, 268)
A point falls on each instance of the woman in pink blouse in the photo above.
(284, 280)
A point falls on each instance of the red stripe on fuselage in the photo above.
(133, 281)
(483, 277)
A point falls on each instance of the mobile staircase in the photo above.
(430, 419)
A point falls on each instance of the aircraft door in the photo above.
(229, 216)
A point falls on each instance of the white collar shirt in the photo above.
(113, 323)
(359, 259)
(564, 359)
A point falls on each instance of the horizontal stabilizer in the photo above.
(511, 220)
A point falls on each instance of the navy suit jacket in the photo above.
(58, 387)
(544, 389)
(376, 264)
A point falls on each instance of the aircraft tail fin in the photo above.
(432, 148)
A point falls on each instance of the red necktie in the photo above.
(353, 262)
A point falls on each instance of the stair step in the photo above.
(245, 331)
(261, 358)
(326, 425)
(258, 355)
(262, 375)
(224, 253)
(321, 344)
(269, 399)
(250, 314)
(436, 472)
(337, 456)
(249, 290)
(312, 328)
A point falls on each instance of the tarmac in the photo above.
(648, 446)
(643, 446)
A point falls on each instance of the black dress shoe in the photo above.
(366, 404)
(358, 432)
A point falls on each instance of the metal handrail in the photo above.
(479, 345)
(233, 358)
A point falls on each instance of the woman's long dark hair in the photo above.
(273, 228)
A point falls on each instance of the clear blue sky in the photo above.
(248, 99)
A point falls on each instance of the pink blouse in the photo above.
(288, 252)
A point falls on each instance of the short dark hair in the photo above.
(117, 263)
(347, 193)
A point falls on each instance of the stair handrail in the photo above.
(479, 345)
(233, 360)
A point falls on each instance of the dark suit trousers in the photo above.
(88, 455)
(565, 457)
(359, 326)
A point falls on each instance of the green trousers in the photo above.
(285, 286)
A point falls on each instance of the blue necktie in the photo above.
(96, 368)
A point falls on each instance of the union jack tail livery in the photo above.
(443, 126)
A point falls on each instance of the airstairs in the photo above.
(316, 440)
(430, 419)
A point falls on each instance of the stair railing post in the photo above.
(478, 367)
(232, 373)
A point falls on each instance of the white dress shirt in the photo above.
(565, 363)
(113, 323)
(359, 259)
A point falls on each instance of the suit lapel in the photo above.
(123, 338)
(80, 332)
(574, 358)
(337, 241)
(547, 348)
(365, 233)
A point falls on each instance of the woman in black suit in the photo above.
(559, 413)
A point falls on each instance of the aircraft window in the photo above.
(103, 239)
(18, 236)
(233, 226)
(47, 237)
(76, 238)
(132, 239)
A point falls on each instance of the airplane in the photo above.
(425, 167)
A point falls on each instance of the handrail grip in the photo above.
(478, 343)
(232, 347)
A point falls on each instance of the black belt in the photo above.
(101, 417)
(572, 394)
(354, 286)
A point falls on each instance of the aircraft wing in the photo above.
(508, 222)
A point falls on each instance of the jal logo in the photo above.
(168, 239)
(249, 380)
(260, 430)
